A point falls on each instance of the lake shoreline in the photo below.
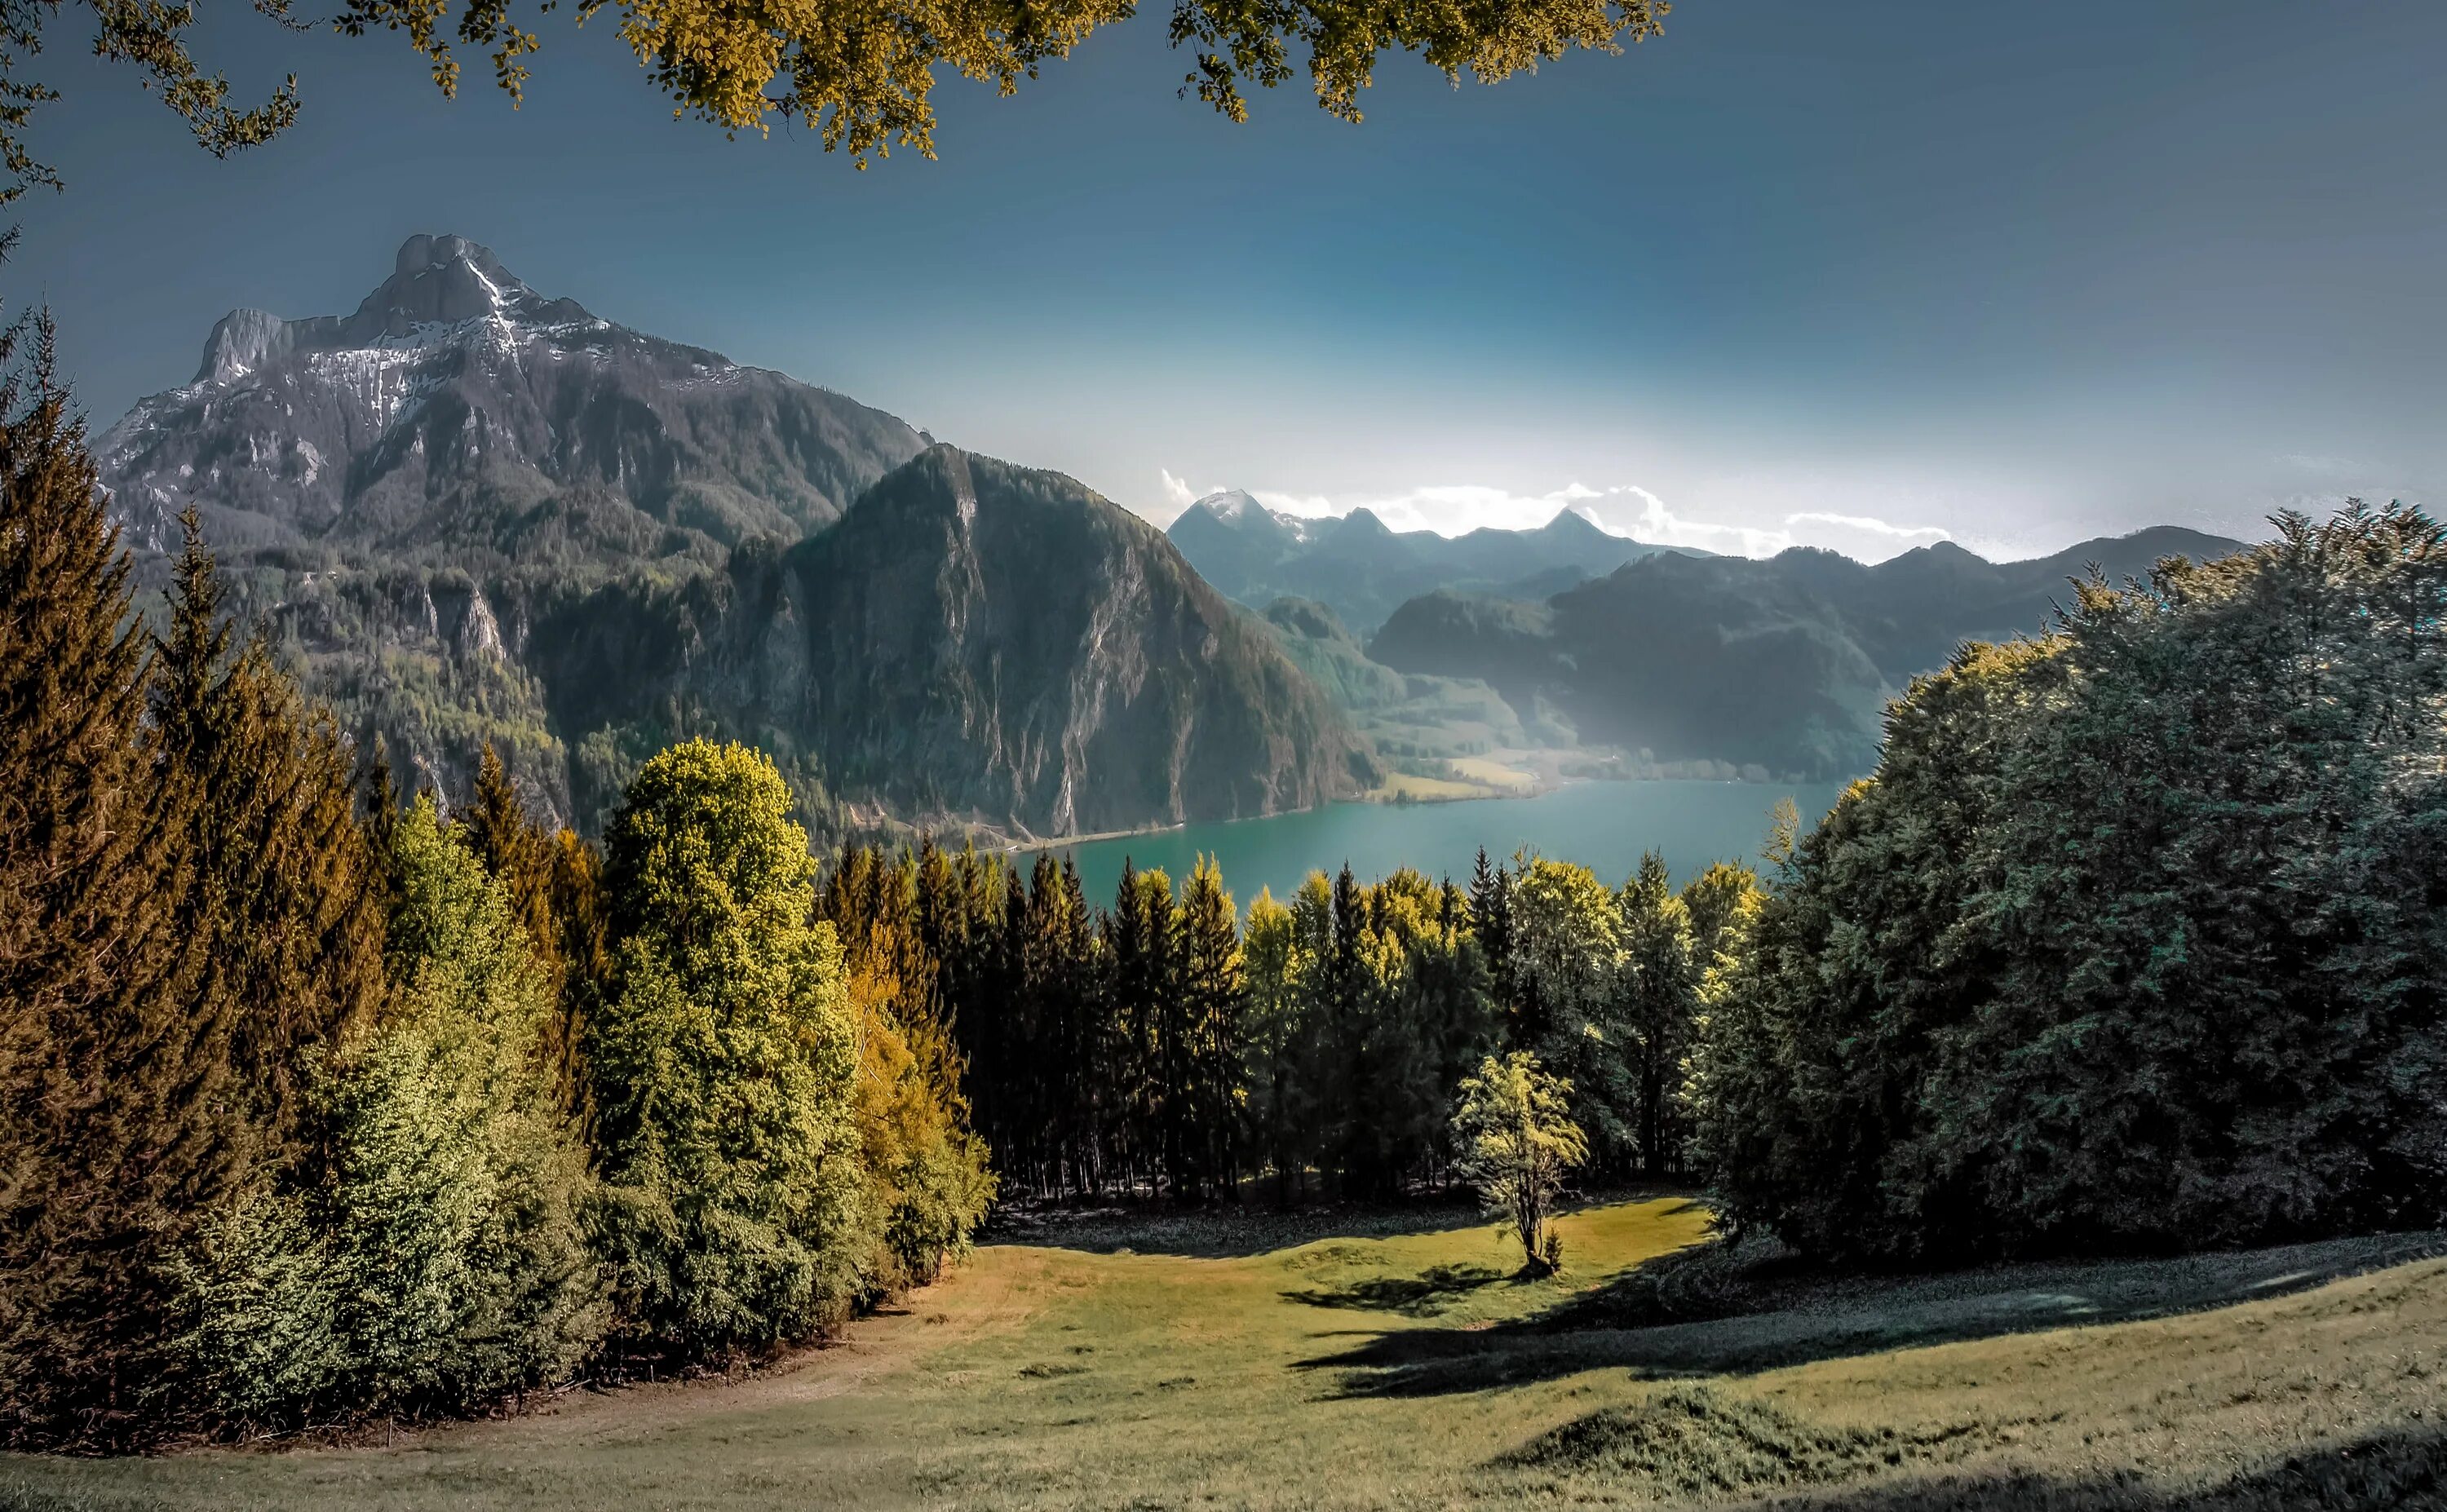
(1603, 823)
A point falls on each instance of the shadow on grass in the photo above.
(1691, 1443)
(2401, 1470)
(1222, 1231)
(1253, 1226)
(1420, 1296)
(1703, 1311)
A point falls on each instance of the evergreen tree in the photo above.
(1491, 920)
(287, 917)
(1211, 995)
(107, 1136)
(437, 1259)
(1566, 964)
(516, 849)
(1140, 995)
(581, 915)
(2132, 941)
(1078, 985)
(1721, 902)
(1659, 983)
(1276, 1056)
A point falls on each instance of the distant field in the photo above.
(1471, 777)
(1429, 789)
(1188, 1364)
(1493, 772)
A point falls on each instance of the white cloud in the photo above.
(1450, 509)
(1177, 492)
(2301, 461)
(1624, 509)
(1657, 524)
(1917, 535)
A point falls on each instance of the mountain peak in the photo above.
(444, 280)
(456, 393)
(435, 282)
(1569, 521)
(1231, 504)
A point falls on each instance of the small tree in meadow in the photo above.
(1513, 1130)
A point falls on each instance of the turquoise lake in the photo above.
(1602, 825)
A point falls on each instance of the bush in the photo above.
(927, 1182)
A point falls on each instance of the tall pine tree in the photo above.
(101, 1161)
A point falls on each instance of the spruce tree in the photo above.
(1079, 978)
(1274, 1059)
(1659, 983)
(581, 913)
(286, 916)
(98, 1086)
(1211, 997)
(496, 827)
(1490, 919)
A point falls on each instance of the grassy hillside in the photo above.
(1196, 1365)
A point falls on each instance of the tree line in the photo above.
(2136, 939)
(1169, 1044)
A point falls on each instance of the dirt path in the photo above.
(985, 1298)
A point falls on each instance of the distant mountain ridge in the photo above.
(1780, 667)
(475, 514)
(1362, 569)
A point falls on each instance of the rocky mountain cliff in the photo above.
(473, 514)
(975, 643)
(457, 410)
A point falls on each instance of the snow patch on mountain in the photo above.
(454, 370)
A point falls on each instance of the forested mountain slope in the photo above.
(1783, 666)
(973, 642)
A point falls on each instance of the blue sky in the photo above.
(1849, 275)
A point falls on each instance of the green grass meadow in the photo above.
(1211, 1365)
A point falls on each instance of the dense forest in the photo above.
(320, 1100)
(2136, 939)
(1168, 1044)
(316, 1103)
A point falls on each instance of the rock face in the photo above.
(459, 408)
(1363, 569)
(1781, 666)
(1006, 643)
(981, 644)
